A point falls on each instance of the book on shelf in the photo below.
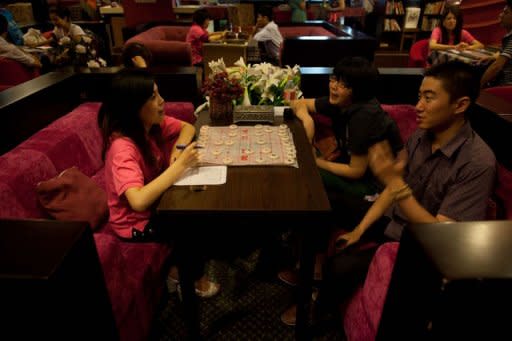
(435, 7)
(412, 17)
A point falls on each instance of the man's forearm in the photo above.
(489, 74)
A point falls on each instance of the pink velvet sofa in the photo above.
(14, 73)
(133, 273)
(167, 45)
(362, 314)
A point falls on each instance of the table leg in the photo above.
(189, 298)
(307, 256)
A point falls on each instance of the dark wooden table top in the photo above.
(252, 190)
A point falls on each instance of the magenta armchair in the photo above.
(167, 45)
(418, 54)
(503, 91)
(14, 73)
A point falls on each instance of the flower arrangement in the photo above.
(81, 52)
(263, 84)
(223, 88)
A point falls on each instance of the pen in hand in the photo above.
(183, 146)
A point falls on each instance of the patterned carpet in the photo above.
(247, 308)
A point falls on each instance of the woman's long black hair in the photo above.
(120, 112)
(457, 31)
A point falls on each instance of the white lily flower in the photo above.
(93, 64)
(80, 49)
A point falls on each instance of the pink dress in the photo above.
(196, 36)
(125, 168)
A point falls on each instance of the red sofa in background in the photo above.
(167, 45)
(362, 314)
(14, 73)
(503, 91)
(133, 272)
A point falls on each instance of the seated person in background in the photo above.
(335, 8)
(136, 55)
(63, 27)
(500, 71)
(358, 122)
(15, 35)
(448, 175)
(197, 35)
(11, 51)
(267, 30)
(450, 34)
(298, 10)
(142, 161)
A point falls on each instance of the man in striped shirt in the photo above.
(500, 71)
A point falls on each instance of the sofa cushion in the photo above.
(166, 44)
(20, 171)
(74, 196)
(67, 146)
(183, 111)
(404, 116)
(366, 306)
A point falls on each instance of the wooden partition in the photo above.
(325, 50)
(396, 85)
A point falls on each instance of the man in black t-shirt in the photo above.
(358, 122)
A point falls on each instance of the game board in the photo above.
(259, 145)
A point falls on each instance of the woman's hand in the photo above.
(188, 158)
(461, 46)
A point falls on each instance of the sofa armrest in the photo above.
(170, 52)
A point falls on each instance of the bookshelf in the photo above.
(406, 20)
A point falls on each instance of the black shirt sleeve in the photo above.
(368, 126)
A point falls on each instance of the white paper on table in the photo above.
(208, 175)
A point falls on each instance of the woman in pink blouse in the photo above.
(450, 34)
(198, 34)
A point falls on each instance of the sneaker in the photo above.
(213, 289)
(289, 316)
(289, 277)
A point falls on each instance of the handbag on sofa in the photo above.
(72, 195)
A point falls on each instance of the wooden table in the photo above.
(270, 196)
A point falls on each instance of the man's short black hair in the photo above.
(458, 79)
(358, 74)
(265, 11)
(200, 16)
(509, 3)
(3, 24)
(135, 49)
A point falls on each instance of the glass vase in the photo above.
(247, 100)
(221, 111)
